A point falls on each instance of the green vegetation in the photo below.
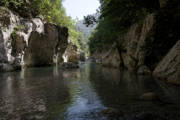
(84, 36)
(116, 16)
(52, 10)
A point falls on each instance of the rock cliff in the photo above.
(30, 42)
(169, 67)
(136, 43)
(146, 42)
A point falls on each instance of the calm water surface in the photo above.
(81, 94)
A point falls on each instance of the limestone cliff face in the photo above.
(146, 43)
(31, 42)
(108, 58)
(131, 49)
(44, 48)
(169, 67)
(136, 43)
(71, 54)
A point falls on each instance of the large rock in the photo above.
(169, 67)
(71, 54)
(43, 47)
(31, 42)
(111, 59)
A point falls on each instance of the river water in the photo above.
(91, 92)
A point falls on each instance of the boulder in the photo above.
(71, 54)
(111, 59)
(169, 68)
(112, 113)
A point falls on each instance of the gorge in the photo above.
(122, 63)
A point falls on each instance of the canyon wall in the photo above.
(30, 42)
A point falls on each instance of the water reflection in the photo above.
(79, 94)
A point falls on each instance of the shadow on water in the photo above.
(82, 94)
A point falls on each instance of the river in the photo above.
(91, 92)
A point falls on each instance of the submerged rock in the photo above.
(69, 65)
(150, 116)
(148, 96)
(111, 113)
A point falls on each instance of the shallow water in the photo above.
(82, 94)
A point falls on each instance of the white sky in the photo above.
(80, 8)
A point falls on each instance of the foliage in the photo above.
(52, 10)
(116, 18)
(84, 36)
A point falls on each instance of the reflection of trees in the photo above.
(36, 92)
(118, 88)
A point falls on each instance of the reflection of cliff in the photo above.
(122, 89)
(34, 93)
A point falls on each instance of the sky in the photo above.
(80, 8)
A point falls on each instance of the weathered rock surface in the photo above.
(169, 67)
(43, 47)
(133, 47)
(111, 59)
(71, 54)
(108, 58)
(135, 43)
(31, 42)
